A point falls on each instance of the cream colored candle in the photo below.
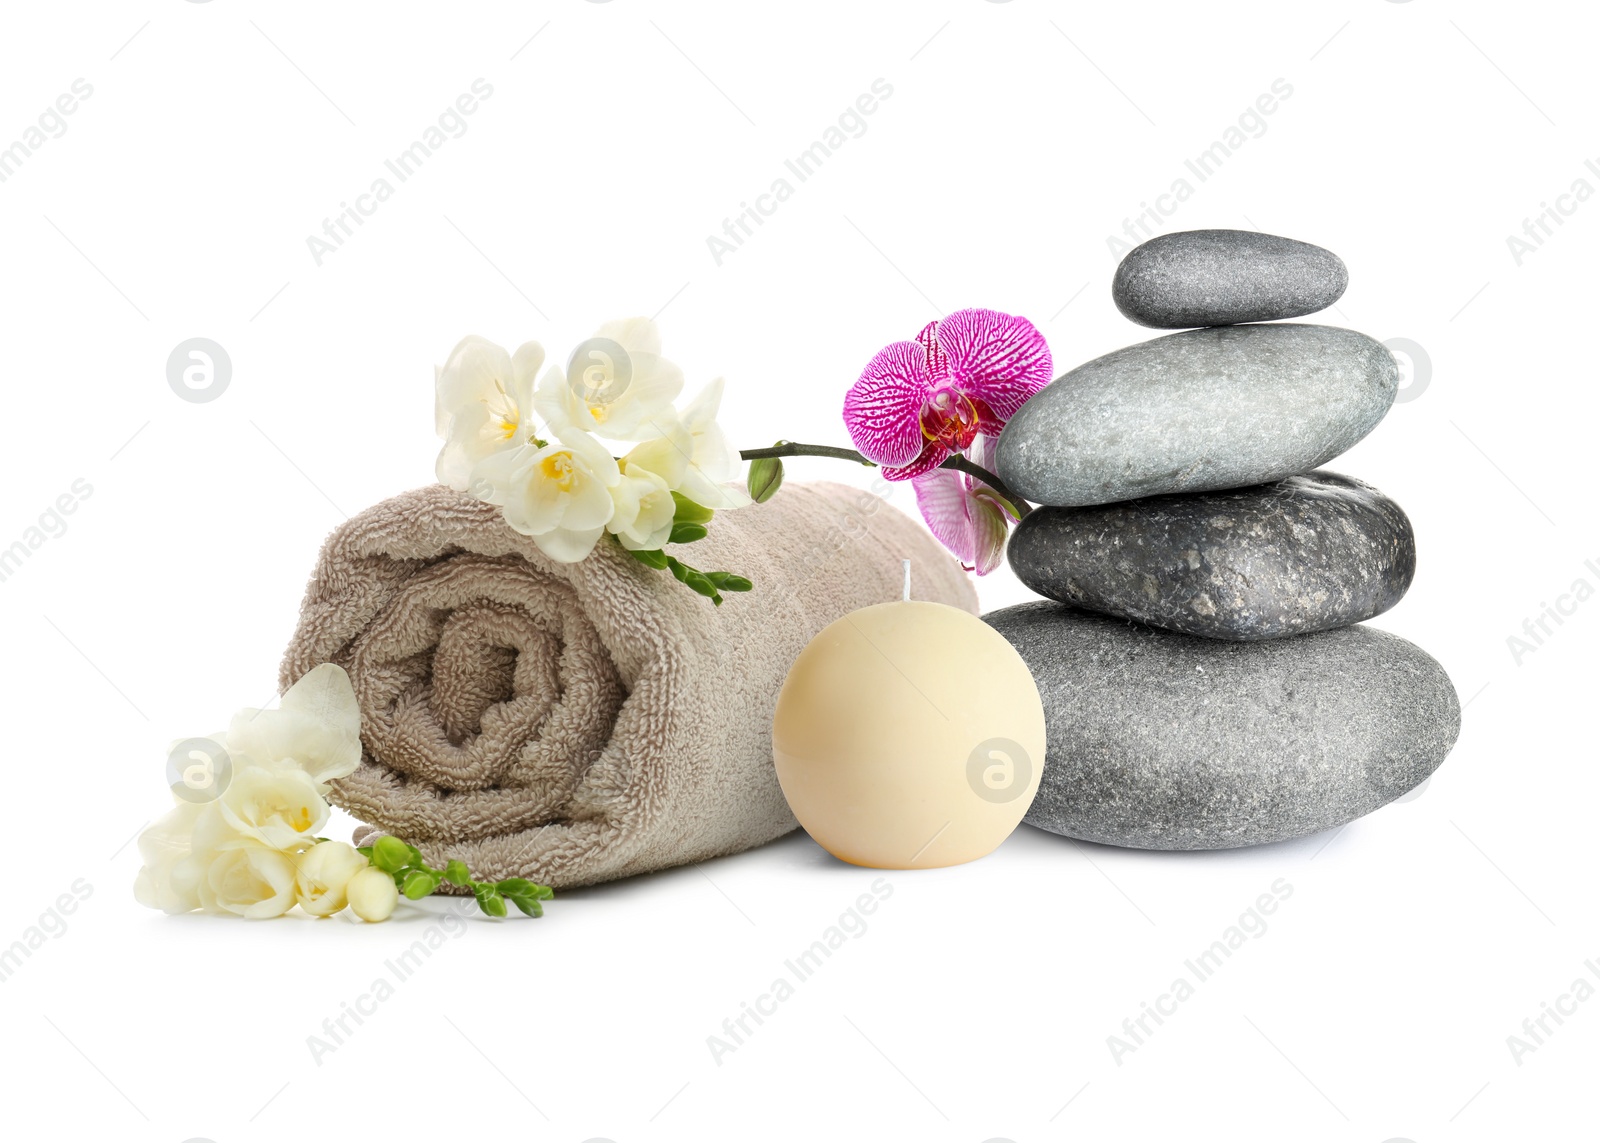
(909, 735)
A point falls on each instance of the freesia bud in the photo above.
(323, 876)
(372, 894)
(391, 854)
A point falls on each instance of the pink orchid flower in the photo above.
(964, 513)
(919, 401)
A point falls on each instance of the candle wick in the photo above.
(906, 593)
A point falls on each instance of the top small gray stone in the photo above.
(1225, 277)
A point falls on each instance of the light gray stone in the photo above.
(1224, 277)
(1195, 411)
(1156, 740)
(1302, 554)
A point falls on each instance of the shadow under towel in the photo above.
(574, 723)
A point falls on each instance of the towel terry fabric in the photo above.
(574, 723)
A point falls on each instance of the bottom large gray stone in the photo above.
(1156, 740)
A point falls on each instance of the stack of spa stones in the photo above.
(1206, 678)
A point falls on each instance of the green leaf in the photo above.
(390, 854)
(688, 512)
(727, 581)
(416, 861)
(456, 873)
(654, 557)
(687, 533)
(489, 900)
(680, 572)
(766, 477)
(418, 885)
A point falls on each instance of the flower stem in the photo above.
(955, 461)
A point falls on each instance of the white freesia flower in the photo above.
(559, 495)
(667, 454)
(237, 853)
(642, 499)
(617, 384)
(483, 403)
(323, 874)
(643, 510)
(280, 809)
(711, 479)
(248, 879)
(372, 894)
(316, 728)
(169, 881)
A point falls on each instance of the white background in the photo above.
(618, 137)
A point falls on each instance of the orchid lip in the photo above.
(949, 417)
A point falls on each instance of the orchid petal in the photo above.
(938, 360)
(990, 527)
(981, 453)
(883, 408)
(932, 456)
(946, 505)
(995, 358)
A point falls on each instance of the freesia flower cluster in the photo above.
(242, 837)
(532, 443)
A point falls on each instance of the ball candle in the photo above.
(909, 735)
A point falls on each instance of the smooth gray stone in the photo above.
(1303, 554)
(1195, 411)
(1224, 277)
(1156, 740)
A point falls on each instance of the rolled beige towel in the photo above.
(574, 723)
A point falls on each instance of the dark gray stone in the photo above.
(1304, 554)
(1224, 277)
(1195, 411)
(1163, 741)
